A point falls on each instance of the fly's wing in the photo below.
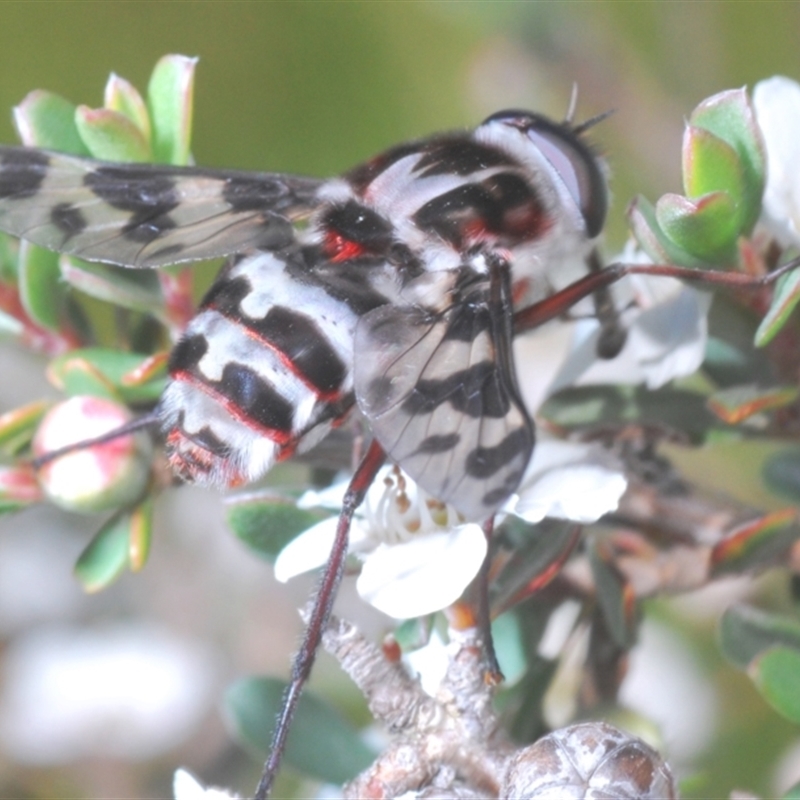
(440, 393)
(143, 215)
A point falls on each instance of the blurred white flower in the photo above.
(667, 329)
(125, 691)
(186, 787)
(777, 106)
(568, 480)
(418, 555)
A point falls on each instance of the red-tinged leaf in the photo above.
(737, 403)
(106, 556)
(756, 543)
(538, 554)
(141, 534)
(74, 375)
(746, 632)
(40, 288)
(111, 136)
(730, 116)
(18, 425)
(776, 674)
(18, 488)
(152, 368)
(705, 226)
(44, 119)
(116, 367)
(787, 294)
(121, 95)
(170, 96)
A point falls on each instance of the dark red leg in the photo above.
(494, 674)
(555, 305)
(320, 614)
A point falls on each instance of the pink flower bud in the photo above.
(98, 477)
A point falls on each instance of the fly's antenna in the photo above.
(573, 105)
(146, 421)
(590, 123)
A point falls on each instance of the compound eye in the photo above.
(572, 161)
(576, 166)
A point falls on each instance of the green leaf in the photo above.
(107, 555)
(507, 638)
(781, 474)
(44, 119)
(730, 116)
(776, 674)
(121, 95)
(710, 165)
(111, 136)
(268, 523)
(675, 409)
(706, 227)
(653, 240)
(321, 743)
(784, 300)
(138, 290)
(110, 368)
(745, 632)
(169, 101)
(40, 287)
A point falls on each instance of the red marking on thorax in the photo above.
(338, 248)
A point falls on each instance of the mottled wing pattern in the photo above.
(441, 397)
(143, 215)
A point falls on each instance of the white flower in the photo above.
(186, 787)
(777, 106)
(418, 555)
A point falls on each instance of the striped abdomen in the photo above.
(263, 370)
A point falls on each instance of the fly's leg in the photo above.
(320, 613)
(555, 305)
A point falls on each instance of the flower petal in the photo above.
(186, 787)
(567, 480)
(312, 547)
(424, 575)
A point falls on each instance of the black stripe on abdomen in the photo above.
(242, 392)
(293, 336)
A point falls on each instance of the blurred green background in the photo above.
(315, 87)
